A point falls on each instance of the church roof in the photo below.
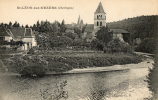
(100, 9)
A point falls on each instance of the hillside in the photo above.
(140, 27)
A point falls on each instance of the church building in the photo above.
(99, 22)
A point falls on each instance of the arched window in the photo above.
(100, 23)
(97, 16)
(100, 16)
(97, 23)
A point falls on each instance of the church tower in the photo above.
(99, 17)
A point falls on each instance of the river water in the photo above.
(116, 85)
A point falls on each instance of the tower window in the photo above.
(100, 23)
(97, 23)
(100, 16)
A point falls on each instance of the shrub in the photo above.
(96, 44)
(57, 66)
(71, 35)
(60, 41)
(147, 45)
(118, 46)
(104, 35)
(33, 70)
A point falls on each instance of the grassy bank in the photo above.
(64, 61)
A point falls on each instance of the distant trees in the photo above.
(140, 27)
(148, 45)
(16, 24)
(61, 41)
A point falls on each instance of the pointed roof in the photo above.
(3, 32)
(100, 9)
(78, 22)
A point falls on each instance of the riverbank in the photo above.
(147, 63)
(68, 62)
(144, 64)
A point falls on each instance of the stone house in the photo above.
(25, 35)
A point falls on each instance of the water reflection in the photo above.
(121, 85)
(55, 92)
(98, 90)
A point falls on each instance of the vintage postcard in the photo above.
(78, 50)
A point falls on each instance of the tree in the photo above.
(26, 26)
(10, 25)
(148, 45)
(70, 35)
(78, 31)
(104, 35)
(62, 26)
(16, 24)
(118, 46)
(59, 41)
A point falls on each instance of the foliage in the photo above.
(96, 44)
(33, 70)
(104, 35)
(78, 31)
(32, 65)
(56, 66)
(148, 45)
(140, 27)
(42, 40)
(153, 76)
(70, 35)
(60, 41)
(117, 46)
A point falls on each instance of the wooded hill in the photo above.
(140, 27)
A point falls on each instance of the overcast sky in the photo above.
(115, 10)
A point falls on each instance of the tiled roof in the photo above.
(116, 31)
(99, 9)
(3, 32)
(18, 32)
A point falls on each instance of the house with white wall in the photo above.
(25, 35)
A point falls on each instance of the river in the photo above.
(112, 85)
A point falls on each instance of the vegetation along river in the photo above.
(111, 85)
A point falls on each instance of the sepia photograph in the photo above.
(78, 49)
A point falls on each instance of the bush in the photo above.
(33, 70)
(96, 44)
(57, 66)
(147, 45)
(104, 35)
(118, 46)
(71, 35)
(60, 41)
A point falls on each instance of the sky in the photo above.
(115, 10)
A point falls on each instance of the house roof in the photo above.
(19, 33)
(89, 28)
(3, 32)
(100, 9)
(118, 31)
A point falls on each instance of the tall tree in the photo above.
(63, 26)
(104, 35)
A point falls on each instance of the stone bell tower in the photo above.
(99, 17)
